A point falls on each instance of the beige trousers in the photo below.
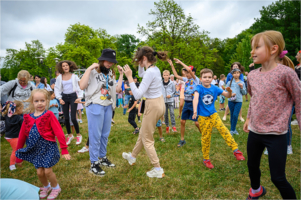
(153, 111)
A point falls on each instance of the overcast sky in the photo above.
(47, 21)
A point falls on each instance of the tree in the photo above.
(173, 31)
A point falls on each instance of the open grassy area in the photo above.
(186, 176)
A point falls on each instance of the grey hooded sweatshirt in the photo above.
(168, 89)
(20, 93)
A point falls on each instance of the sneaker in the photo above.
(127, 156)
(163, 122)
(44, 192)
(266, 152)
(12, 167)
(242, 119)
(81, 121)
(69, 140)
(261, 193)
(235, 132)
(54, 193)
(295, 122)
(167, 129)
(105, 162)
(208, 164)
(83, 150)
(289, 149)
(181, 143)
(224, 118)
(155, 173)
(112, 121)
(174, 129)
(96, 169)
(238, 155)
(139, 121)
(79, 139)
(232, 132)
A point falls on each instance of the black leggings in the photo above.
(69, 101)
(132, 117)
(277, 148)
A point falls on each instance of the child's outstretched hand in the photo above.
(194, 116)
(228, 89)
(170, 62)
(177, 61)
(67, 156)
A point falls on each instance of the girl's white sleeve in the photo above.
(144, 85)
(141, 71)
(57, 87)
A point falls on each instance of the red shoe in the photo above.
(167, 129)
(174, 129)
(238, 155)
(208, 164)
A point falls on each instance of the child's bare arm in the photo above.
(227, 94)
(186, 67)
(174, 70)
(195, 104)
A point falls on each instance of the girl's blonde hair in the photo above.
(24, 74)
(272, 38)
(31, 108)
(19, 104)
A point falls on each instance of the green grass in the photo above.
(186, 176)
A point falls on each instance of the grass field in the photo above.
(186, 176)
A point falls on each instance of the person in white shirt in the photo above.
(214, 81)
(67, 91)
(151, 89)
(221, 85)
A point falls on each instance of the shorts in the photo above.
(221, 99)
(187, 111)
(159, 124)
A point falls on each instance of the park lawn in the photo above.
(186, 176)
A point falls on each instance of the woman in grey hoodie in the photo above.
(18, 89)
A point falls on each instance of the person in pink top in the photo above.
(273, 88)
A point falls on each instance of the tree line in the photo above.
(171, 30)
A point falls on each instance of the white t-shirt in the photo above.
(151, 85)
(221, 83)
(97, 90)
(214, 82)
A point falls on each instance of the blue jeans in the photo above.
(234, 112)
(126, 102)
(290, 132)
(99, 127)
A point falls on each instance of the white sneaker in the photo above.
(139, 121)
(224, 118)
(81, 121)
(69, 140)
(289, 149)
(266, 152)
(12, 167)
(127, 156)
(112, 121)
(83, 150)
(155, 173)
(295, 122)
(242, 119)
(78, 139)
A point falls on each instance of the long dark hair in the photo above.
(72, 66)
(43, 80)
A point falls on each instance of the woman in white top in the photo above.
(151, 89)
(100, 96)
(67, 91)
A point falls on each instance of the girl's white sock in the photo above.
(56, 187)
(12, 167)
(47, 186)
(256, 191)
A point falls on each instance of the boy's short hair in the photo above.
(222, 76)
(206, 70)
(166, 71)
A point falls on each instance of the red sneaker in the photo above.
(174, 129)
(208, 164)
(261, 193)
(238, 155)
(167, 129)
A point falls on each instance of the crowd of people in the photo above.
(31, 110)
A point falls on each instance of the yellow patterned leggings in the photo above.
(206, 125)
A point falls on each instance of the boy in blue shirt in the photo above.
(191, 81)
(53, 104)
(203, 107)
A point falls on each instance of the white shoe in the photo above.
(242, 119)
(224, 118)
(112, 121)
(69, 140)
(12, 167)
(83, 150)
(81, 121)
(78, 139)
(289, 149)
(266, 152)
(155, 173)
(295, 122)
(139, 121)
(127, 156)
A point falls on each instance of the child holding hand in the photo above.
(40, 128)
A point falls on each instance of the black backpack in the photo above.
(13, 90)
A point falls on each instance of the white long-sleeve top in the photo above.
(58, 87)
(151, 85)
